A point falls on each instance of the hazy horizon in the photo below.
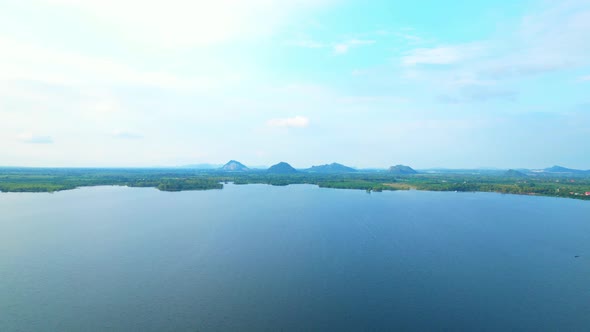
(215, 165)
(499, 84)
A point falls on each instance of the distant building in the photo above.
(587, 193)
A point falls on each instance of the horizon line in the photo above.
(262, 167)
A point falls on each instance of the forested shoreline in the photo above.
(56, 179)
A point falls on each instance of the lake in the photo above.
(295, 258)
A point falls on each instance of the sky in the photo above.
(455, 84)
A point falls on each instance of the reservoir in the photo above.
(293, 258)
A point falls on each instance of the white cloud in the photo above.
(359, 72)
(344, 47)
(585, 78)
(412, 39)
(306, 43)
(294, 122)
(182, 23)
(544, 41)
(443, 55)
(338, 48)
(21, 61)
(28, 137)
(479, 93)
(127, 135)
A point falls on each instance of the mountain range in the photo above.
(564, 170)
(331, 168)
(336, 168)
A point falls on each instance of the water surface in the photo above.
(295, 258)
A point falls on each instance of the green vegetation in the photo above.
(50, 180)
(54, 179)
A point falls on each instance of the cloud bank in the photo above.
(34, 139)
(294, 122)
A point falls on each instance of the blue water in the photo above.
(296, 258)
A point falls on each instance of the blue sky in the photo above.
(423, 83)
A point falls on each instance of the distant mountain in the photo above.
(560, 169)
(234, 166)
(472, 171)
(331, 168)
(281, 168)
(514, 174)
(402, 169)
